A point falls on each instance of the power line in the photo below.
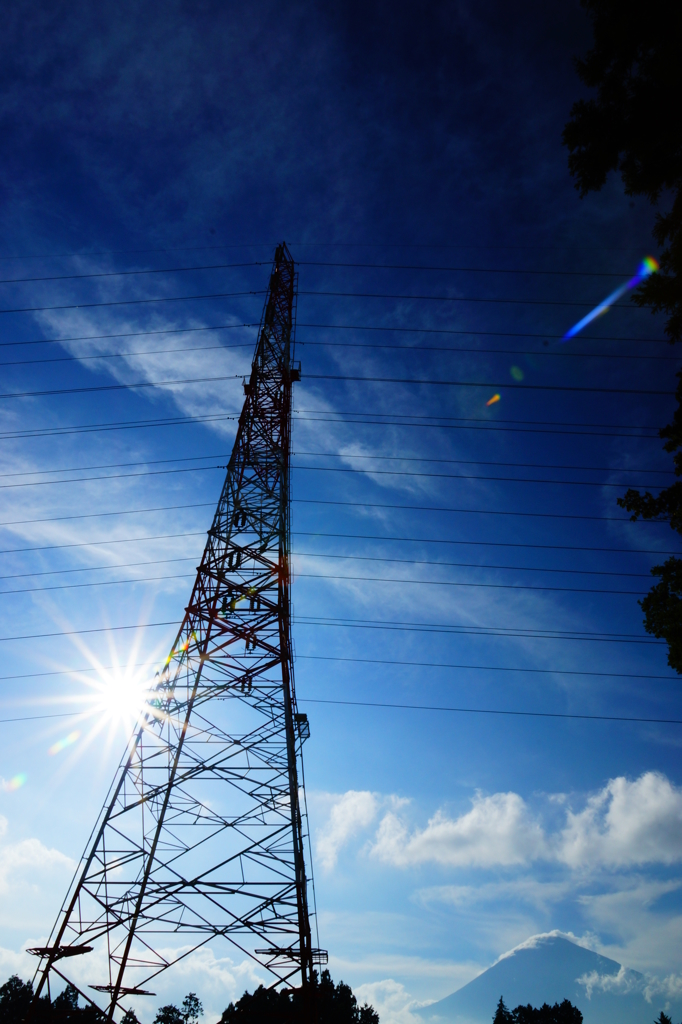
(361, 327)
(325, 501)
(484, 668)
(366, 579)
(303, 263)
(303, 533)
(481, 384)
(415, 707)
(409, 349)
(492, 427)
(109, 476)
(437, 298)
(472, 511)
(332, 469)
(481, 543)
(324, 555)
(119, 387)
(131, 302)
(341, 455)
(492, 711)
(468, 270)
(440, 476)
(338, 377)
(467, 565)
(453, 462)
(460, 424)
(501, 631)
(158, 270)
(314, 294)
(455, 583)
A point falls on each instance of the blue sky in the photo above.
(150, 139)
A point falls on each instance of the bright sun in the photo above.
(121, 696)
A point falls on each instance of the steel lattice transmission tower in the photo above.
(202, 833)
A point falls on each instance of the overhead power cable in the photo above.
(330, 576)
(339, 377)
(119, 387)
(308, 533)
(480, 384)
(158, 270)
(308, 293)
(444, 422)
(491, 427)
(484, 668)
(341, 455)
(439, 298)
(456, 583)
(410, 707)
(500, 631)
(454, 462)
(132, 302)
(372, 661)
(323, 555)
(407, 349)
(472, 511)
(334, 469)
(467, 270)
(354, 327)
(491, 711)
(309, 263)
(351, 504)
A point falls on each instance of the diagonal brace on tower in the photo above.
(201, 838)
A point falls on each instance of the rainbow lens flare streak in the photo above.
(16, 783)
(57, 747)
(647, 267)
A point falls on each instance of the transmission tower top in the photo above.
(202, 837)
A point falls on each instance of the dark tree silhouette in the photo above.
(16, 997)
(633, 126)
(662, 606)
(189, 1013)
(335, 1004)
(502, 1014)
(560, 1013)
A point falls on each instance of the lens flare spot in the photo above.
(648, 266)
(516, 372)
(495, 398)
(60, 745)
(14, 783)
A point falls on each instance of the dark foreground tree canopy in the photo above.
(334, 1004)
(662, 606)
(560, 1013)
(633, 126)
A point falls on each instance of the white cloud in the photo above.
(349, 814)
(28, 855)
(626, 823)
(391, 1000)
(498, 830)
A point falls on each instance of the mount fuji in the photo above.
(548, 969)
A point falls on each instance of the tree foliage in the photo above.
(16, 997)
(560, 1013)
(334, 1004)
(662, 606)
(633, 126)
